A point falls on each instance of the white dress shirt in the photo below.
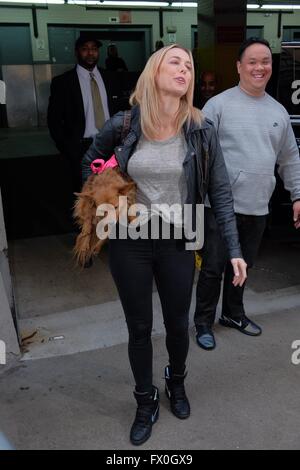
(85, 85)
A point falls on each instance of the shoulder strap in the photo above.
(126, 124)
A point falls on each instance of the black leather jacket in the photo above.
(204, 167)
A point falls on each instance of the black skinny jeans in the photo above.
(215, 262)
(134, 264)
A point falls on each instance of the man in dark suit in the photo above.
(78, 106)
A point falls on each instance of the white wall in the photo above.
(67, 14)
(270, 24)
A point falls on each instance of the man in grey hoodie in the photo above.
(255, 134)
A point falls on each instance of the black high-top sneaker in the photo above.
(146, 415)
(175, 391)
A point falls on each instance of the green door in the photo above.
(15, 45)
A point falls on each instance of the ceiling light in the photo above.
(135, 4)
(185, 4)
(280, 7)
(83, 2)
(38, 2)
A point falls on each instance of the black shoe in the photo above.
(146, 415)
(205, 337)
(175, 391)
(244, 325)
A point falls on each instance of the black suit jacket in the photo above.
(66, 120)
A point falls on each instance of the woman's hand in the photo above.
(296, 214)
(240, 271)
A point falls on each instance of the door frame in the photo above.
(7, 299)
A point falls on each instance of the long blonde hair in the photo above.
(146, 96)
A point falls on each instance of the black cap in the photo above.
(83, 39)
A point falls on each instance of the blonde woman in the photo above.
(173, 155)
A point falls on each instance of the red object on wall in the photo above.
(125, 16)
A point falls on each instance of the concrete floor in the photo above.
(47, 280)
(29, 142)
(79, 309)
(244, 395)
(77, 392)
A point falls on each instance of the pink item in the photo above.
(99, 165)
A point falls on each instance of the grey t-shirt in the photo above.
(255, 133)
(157, 169)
